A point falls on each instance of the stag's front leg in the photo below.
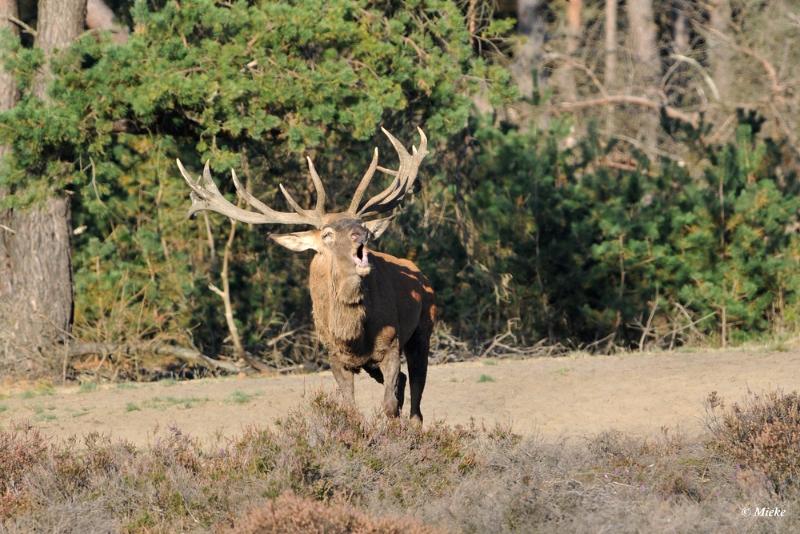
(344, 379)
(394, 384)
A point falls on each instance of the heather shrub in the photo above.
(19, 449)
(761, 433)
(333, 450)
(327, 468)
(290, 514)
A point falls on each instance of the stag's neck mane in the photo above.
(339, 304)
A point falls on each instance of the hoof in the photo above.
(391, 408)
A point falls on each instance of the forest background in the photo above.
(603, 174)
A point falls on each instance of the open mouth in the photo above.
(361, 257)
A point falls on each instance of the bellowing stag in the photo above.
(369, 307)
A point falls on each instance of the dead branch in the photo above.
(680, 58)
(691, 118)
(691, 322)
(22, 25)
(77, 350)
(646, 329)
(225, 293)
(776, 87)
(575, 64)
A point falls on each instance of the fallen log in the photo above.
(77, 350)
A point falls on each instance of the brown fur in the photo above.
(389, 305)
(368, 310)
(367, 320)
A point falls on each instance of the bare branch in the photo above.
(706, 77)
(182, 353)
(691, 118)
(22, 25)
(225, 295)
(770, 70)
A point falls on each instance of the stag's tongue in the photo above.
(361, 257)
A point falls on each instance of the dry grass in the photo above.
(326, 468)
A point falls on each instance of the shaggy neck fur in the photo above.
(339, 306)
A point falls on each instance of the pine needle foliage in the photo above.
(583, 251)
(249, 85)
(518, 230)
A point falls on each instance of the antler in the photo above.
(206, 196)
(404, 178)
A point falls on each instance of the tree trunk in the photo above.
(8, 85)
(566, 75)
(719, 52)
(100, 17)
(41, 279)
(59, 23)
(610, 75)
(680, 31)
(532, 25)
(610, 67)
(39, 249)
(8, 99)
(647, 65)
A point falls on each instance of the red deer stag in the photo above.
(369, 307)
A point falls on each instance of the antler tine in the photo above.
(196, 190)
(292, 202)
(393, 187)
(245, 195)
(404, 177)
(364, 184)
(319, 209)
(206, 197)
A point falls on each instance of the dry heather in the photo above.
(330, 468)
(762, 434)
(290, 514)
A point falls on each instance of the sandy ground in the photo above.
(570, 396)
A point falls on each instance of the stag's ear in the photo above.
(378, 226)
(298, 241)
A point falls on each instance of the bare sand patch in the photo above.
(570, 396)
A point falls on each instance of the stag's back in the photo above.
(399, 295)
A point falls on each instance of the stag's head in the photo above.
(341, 237)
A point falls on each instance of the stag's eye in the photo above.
(327, 236)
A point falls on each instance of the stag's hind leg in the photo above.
(394, 384)
(416, 351)
(375, 372)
